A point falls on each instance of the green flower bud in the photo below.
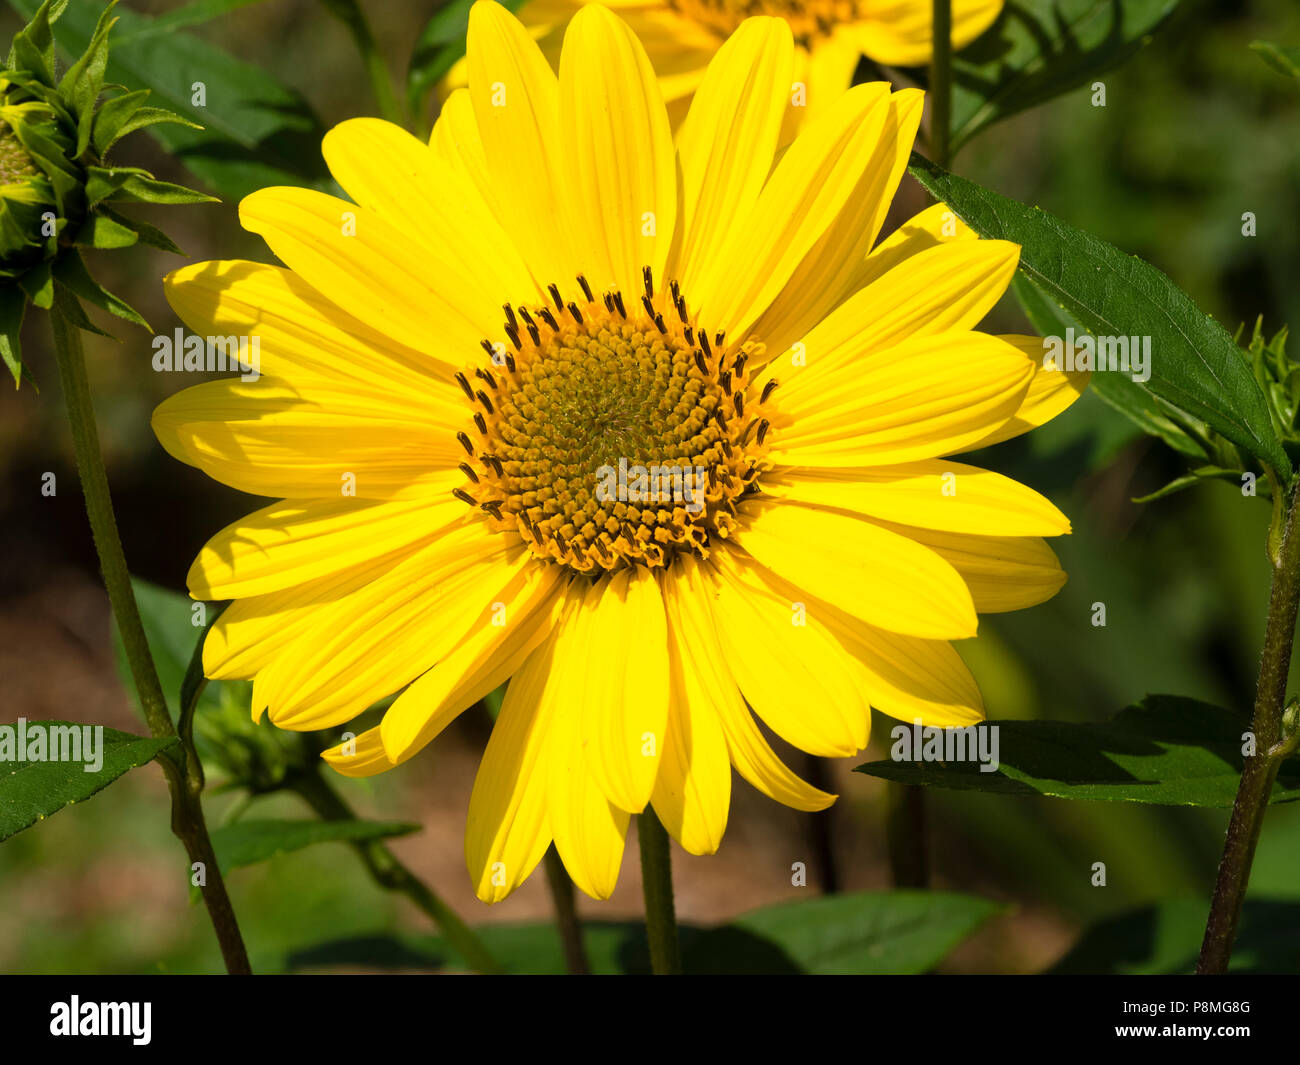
(57, 193)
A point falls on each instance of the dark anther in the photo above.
(724, 379)
(484, 375)
(586, 289)
(510, 313)
(466, 443)
(689, 333)
(483, 398)
(763, 427)
(577, 314)
(534, 332)
(647, 275)
(720, 418)
(512, 331)
(609, 302)
(464, 496)
(487, 346)
(554, 290)
(495, 463)
(546, 316)
(741, 359)
(739, 400)
(618, 302)
(719, 337)
(659, 324)
(648, 305)
(493, 507)
(468, 471)
(481, 422)
(510, 360)
(681, 309)
(699, 361)
(768, 389)
(463, 381)
(528, 318)
(704, 343)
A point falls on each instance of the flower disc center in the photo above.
(608, 434)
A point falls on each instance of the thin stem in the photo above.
(391, 874)
(941, 84)
(657, 883)
(1271, 749)
(905, 835)
(381, 83)
(187, 809)
(566, 915)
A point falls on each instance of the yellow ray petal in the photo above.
(947, 288)
(1050, 393)
(935, 494)
(866, 570)
(508, 829)
(623, 692)
(1002, 572)
(588, 829)
(393, 629)
(272, 439)
(692, 792)
(935, 395)
(303, 337)
(618, 152)
(294, 541)
(811, 184)
(798, 681)
(456, 142)
(516, 106)
(374, 271)
(827, 272)
(934, 227)
(388, 171)
(691, 615)
(902, 676)
(726, 145)
(360, 756)
(489, 654)
(901, 32)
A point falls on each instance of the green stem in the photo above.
(566, 914)
(905, 835)
(392, 875)
(381, 83)
(1272, 747)
(187, 809)
(657, 883)
(941, 84)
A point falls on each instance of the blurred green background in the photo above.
(1196, 130)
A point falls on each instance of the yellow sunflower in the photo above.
(465, 369)
(682, 36)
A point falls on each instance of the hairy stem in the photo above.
(657, 883)
(1271, 749)
(566, 914)
(187, 808)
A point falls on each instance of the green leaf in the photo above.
(1166, 939)
(32, 791)
(1282, 58)
(1201, 473)
(1166, 750)
(867, 932)
(13, 306)
(439, 48)
(1117, 391)
(887, 932)
(70, 272)
(1039, 49)
(248, 842)
(256, 131)
(1195, 364)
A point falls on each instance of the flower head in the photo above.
(56, 192)
(645, 428)
(830, 37)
